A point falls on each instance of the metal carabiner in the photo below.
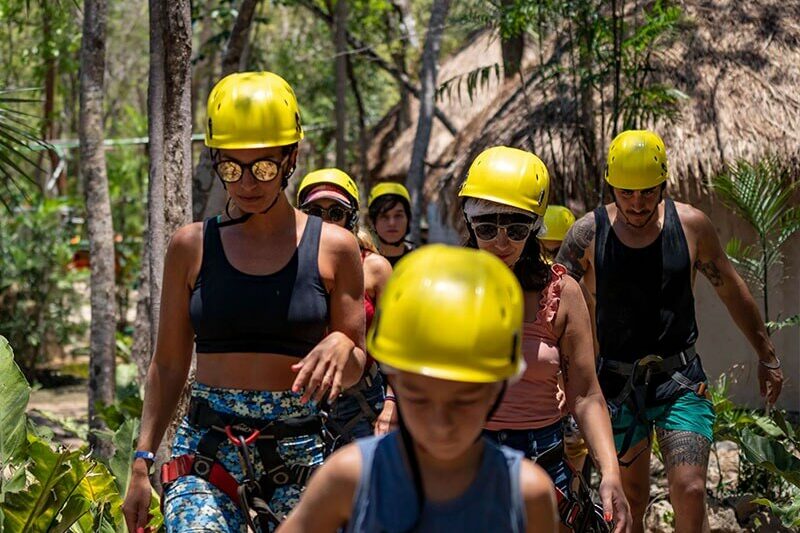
(235, 440)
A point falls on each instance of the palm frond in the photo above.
(759, 193)
(18, 134)
(745, 260)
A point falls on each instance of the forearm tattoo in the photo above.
(710, 271)
(683, 448)
(565, 367)
(573, 248)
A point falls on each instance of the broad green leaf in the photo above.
(789, 514)
(77, 507)
(33, 510)
(772, 455)
(124, 444)
(768, 426)
(14, 395)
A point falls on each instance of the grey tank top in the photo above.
(385, 500)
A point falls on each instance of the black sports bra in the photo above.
(285, 312)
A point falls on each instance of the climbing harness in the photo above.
(253, 494)
(634, 392)
(342, 431)
(578, 509)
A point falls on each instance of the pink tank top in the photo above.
(369, 311)
(531, 402)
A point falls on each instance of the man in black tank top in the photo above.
(637, 258)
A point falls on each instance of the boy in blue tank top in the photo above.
(447, 330)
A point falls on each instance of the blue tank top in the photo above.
(386, 501)
(285, 312)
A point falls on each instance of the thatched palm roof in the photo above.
(738, 63)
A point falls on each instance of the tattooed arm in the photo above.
(716, 267)
(574, 250)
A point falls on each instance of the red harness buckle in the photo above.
(219, 477)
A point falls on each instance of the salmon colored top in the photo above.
(531, 402)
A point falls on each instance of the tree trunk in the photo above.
(363, 144)
(512, 48)
(237, 41)
(98, 207)
(380, 62)
(402, 24)
(208, 193)
(588, 131)
(48, 122)
(340, 111)
(430, 57)
(177, 115)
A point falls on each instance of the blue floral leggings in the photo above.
(192, 504)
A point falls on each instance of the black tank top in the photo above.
(645, 303)
(285, 312)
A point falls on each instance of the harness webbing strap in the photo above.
(251, 495)
(634, 392)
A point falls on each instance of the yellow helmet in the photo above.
(252, 110)
(330, 176)
(388, 187)
(450, 313)
(508, 176)
(637, 159)
(557, 221)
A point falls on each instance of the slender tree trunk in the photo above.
(588, 133)
(380, 62)
(98, 207)
(340, 111)
(149, 303)
(406, 29)
(177, 115)
(48, 124)
(512, 48)
(430, 57)
(209, 195)
(363, 144)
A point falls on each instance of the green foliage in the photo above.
(38, 297)
(15, 392)
(768, 454)
(48, 488)
(760, 194)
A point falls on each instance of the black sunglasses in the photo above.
(516, 231)
(334, 213)
(231, 171)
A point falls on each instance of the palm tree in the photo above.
(762, 195)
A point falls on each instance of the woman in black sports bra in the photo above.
(272, 300)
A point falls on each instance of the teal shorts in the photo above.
(688, 412)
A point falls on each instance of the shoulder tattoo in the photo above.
(710, 271)
(573, 248)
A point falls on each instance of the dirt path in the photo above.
(62, 403)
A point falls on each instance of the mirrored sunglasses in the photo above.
(231, 171)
